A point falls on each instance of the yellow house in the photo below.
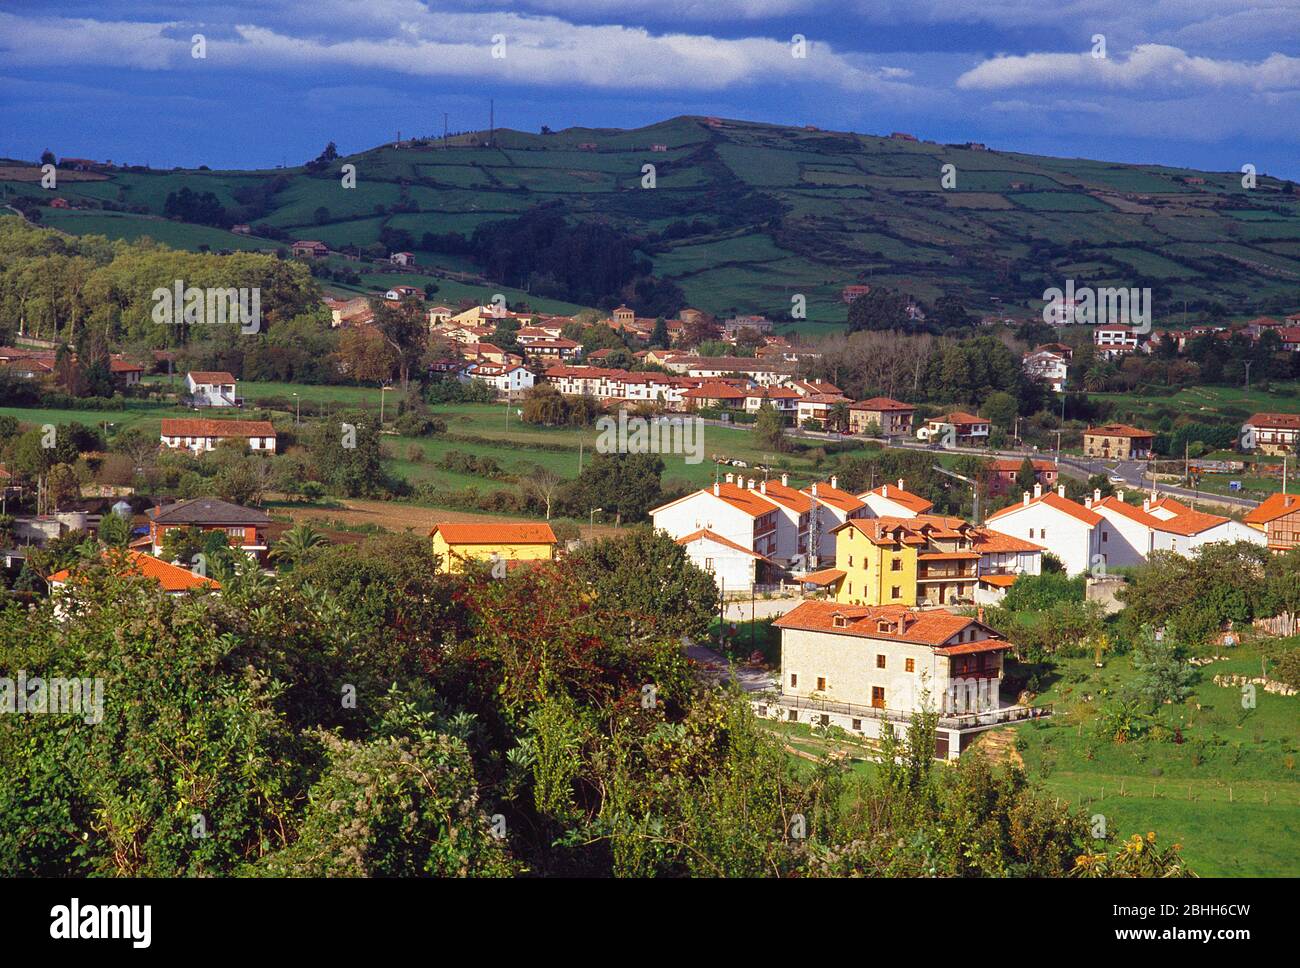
(455, 544)
(922, 561)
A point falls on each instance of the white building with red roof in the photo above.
(1161, 524)
(895, 501)
(211, 388)
(734, 567)
(729, 509)
(1067, 529)
(833, 507)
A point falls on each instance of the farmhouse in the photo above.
(1117, 442)
(1115, 340)
(211, 388)
(1046, 367)
(860, 667)
(1278, 520)
(204, 435)
(309, 249)
(1271, 433)
(882, 415)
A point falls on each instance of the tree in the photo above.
(659, 335)
(297, 545)
(1000, 408)
(545, 405)
(61, 486)
(403, 329)
(545, 485)
(769, 428)
(625, 485)
(880, 309)
(114, 530)
(347, 455)
(837, 418)
(1026, 477)
(1163, 675)
(647, 580)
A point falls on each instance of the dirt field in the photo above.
(399, 517)
(33, 174)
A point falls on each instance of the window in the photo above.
(850, 561)
(794, 680)
(895, 591)
(794, 716)
(1105, 535)
(1042, 533)
(909, 665)
(1031, 532)
(880, 661)
(896, 564)
(857, 725)
(878, 697)
(708, 564)
(825, 720)
(821, 683)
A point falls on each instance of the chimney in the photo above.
(731, 478)
(1087, 502)
(1120, 495)
(980, 614)
(785, 480)
(884, 490)
(1038, 492)
(762, 488)
(1096, 494)
(835, 482)
(751, 483)
(1026, 501)
(900, 485)
(902, 623)
(814, 489)
(1146, 504)
(1060, 490)
(717, 489)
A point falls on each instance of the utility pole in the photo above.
(1247, 363)
(974, 488)
(444, 131)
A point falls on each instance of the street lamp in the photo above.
(591, 524)
(297, 409)
(382, 391)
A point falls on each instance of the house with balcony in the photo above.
(864, 668)
(831, 507)
(1114, 340)
(956, 429)
(882, 416)
(1278, 520)
(1271, 433)
(211, 388)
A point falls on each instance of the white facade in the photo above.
(204, 392)
(733, 569)
(505, 380)
(721, 510)
(1066, 529)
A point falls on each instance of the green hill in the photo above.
(744, 215)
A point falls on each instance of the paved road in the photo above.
(738, 610)
(719, 668)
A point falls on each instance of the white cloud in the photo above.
(1147, 68)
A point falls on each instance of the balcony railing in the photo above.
(991, 717)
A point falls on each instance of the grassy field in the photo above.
(819, 209)
(1229, 792)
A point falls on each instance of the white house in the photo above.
(742, 515)
(1066, 528)
(733, 567)
(506, 380)
(1162, 524)
(890, 501)
(833, 507)
(201, 436)
(1003, 559)
(211, 388)
(1046, 367)
(1115, 340)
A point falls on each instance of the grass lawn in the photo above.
(1228, 793)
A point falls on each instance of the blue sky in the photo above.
(1203, 83)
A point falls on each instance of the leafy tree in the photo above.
(1026, 477)
(347, 455)
(646, 579)
(624, 485)
(769, 428)
(545, 405)
(297, 545)
(880, 309)
(114, 530)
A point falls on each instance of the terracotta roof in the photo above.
(715, 391)
(827, 576)
(990, 542)
(795, 500)
(1185, 521)
(884, 530)
(881, 404)
(959, 418)
(1117, 430)
(892, 492)
(1056, 502)
(1273, 508)
(999, 581)
(1012, 464)
(966, 648)
(172, 578)
(217, 428)
(211, 376)
(524, 532)
(932, 628)
(833, 496)
(704, 534)
(948, 556)
(1275, 421)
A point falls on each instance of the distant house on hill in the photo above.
(201, 436)
(310, 249)
(211, 388)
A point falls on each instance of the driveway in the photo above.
(718, 668)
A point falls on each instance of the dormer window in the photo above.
(839, 621)
(884, 625)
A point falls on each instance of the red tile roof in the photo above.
(172, 578)
(1275, 421)
(1118, 430)
(833, 496)
(217, 428)
(881, 404)
(524, 532)
(1276, 506)
(704, 534)
(211, 376)
(933, 628)
(989, 542)
(1055, 501)
(892, 492)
